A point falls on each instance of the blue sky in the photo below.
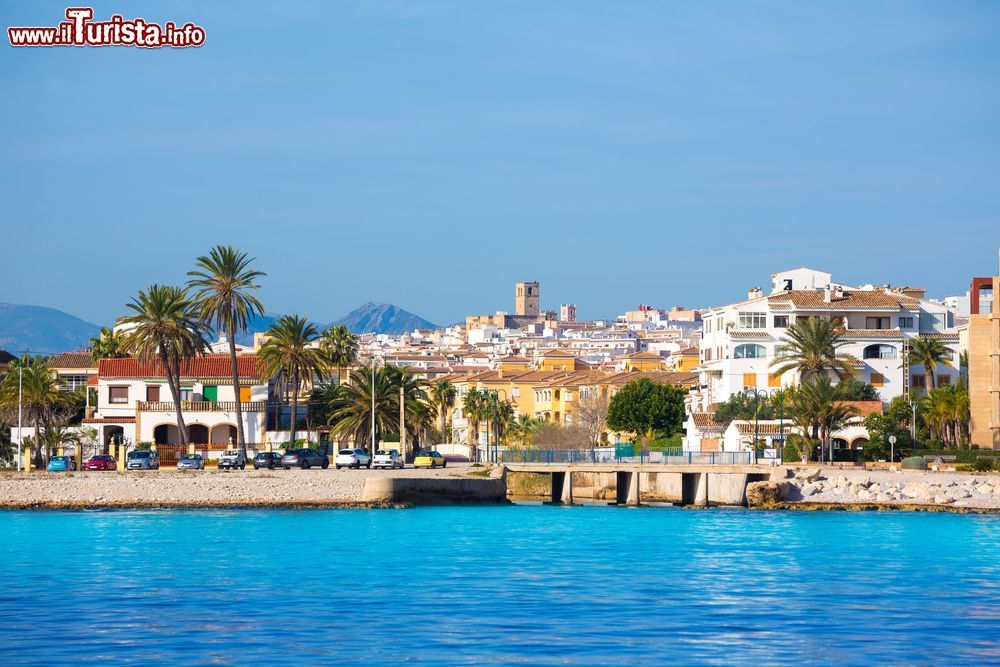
(430, 154)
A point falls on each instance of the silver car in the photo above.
(143, 459)
(191, 462)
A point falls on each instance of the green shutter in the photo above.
(210, 392)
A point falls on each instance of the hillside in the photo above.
(45, 330)
(382, 318)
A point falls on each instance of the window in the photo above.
(931, 322)
(186, 393)
(749, 379)
(780, 321)
(708, 326)
(774, 379)
(118, 394)
(876, 323)
(516, 391)
(877, 380)
(906, 322)
(942, 380)
(708, 354)
(879, 351)
(72, 382)
(753, 320)
(244, 394)
(919, 380)
(153, 393)
(749, 351)
(210, 392)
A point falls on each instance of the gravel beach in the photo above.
(203, 488)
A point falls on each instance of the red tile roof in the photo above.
(72, 360)
(209, 366)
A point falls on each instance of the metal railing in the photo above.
(201, 406)
(675, 457)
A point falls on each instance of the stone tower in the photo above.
(567, 312)
(526, 299)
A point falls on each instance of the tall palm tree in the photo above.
(341, 348)
(475, 408)
(42, 402)
(165, 326)
(811, 347)
(287, 352)
(225, 285)
(929, 352)
(106, 345)
(351, 410)
(443, 393)
(818, 407)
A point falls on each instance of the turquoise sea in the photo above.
(520, 585)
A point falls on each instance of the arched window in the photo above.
(879, 351)
(749, 351)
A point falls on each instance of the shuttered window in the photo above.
(244, 394)
(118, 394)
(877, 380)
(153, 394)
(749, 379)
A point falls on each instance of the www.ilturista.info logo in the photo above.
(80, 30)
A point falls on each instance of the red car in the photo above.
(100, 462)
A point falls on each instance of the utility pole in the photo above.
(372, 359)
(402, 424)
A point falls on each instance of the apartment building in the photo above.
(984, 362)
(739, 340)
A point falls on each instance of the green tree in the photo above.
(854, 389)
(474, 407)
(895, 421)
(341, 348)
(43, 403)
(107, 345)
(642, 406)
(443, 395)
(742, 406)
(351, 411)
(165, 326)
(818, 408)
(929, 352)
(811, 348)
(225, 285)
(288, 352)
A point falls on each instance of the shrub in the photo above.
(914, 463)
(983, 465)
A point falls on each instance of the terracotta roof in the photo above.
(72, 360)
(763, 428)
(209, 366)
(864, 408)
(688, 351)
(951, 337)
(877, 299)
(652, 356)
(109, 420)
(705, 421)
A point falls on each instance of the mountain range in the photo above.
(49, 331)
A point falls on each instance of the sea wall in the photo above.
(434, 490)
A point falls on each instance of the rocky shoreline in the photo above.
(836, 488)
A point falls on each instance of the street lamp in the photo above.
(371, 358)
(759, 395)
(20, 437)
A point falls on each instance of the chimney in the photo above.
(827, 294)
(754, 293)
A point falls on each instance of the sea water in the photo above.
(522, 584)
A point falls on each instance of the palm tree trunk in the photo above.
(295, 408)
(240, 438)
(173, 381)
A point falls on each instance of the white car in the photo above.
(388, 458)
(232, 459)
(353, 458)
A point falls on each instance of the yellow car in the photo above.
(429, 459)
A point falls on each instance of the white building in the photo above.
(739, 340)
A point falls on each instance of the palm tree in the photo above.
(287, 352)
(42, 401)
(811, 348)
(225, 285)
(351, 411)
(106, 345)
(929, 352)
(165, 326)
(340, 346)
(818, 408)
(443, 393)
(474, 407)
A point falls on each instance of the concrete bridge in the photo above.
(695, 484)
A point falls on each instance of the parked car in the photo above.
(428, 458)
(100, 462)
(232, 459)
(269, 460)
(191, 462)
(304, 458)
(61, 464)
(353, 458)
(143, 459)
(388, 458)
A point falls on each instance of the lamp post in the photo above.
(20, 381)
(371, 358)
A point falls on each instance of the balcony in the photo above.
(201, 406)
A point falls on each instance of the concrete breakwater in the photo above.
(814, 487)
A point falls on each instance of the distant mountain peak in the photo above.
(42, 330)
(385, 318)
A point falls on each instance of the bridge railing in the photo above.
(608, 455)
